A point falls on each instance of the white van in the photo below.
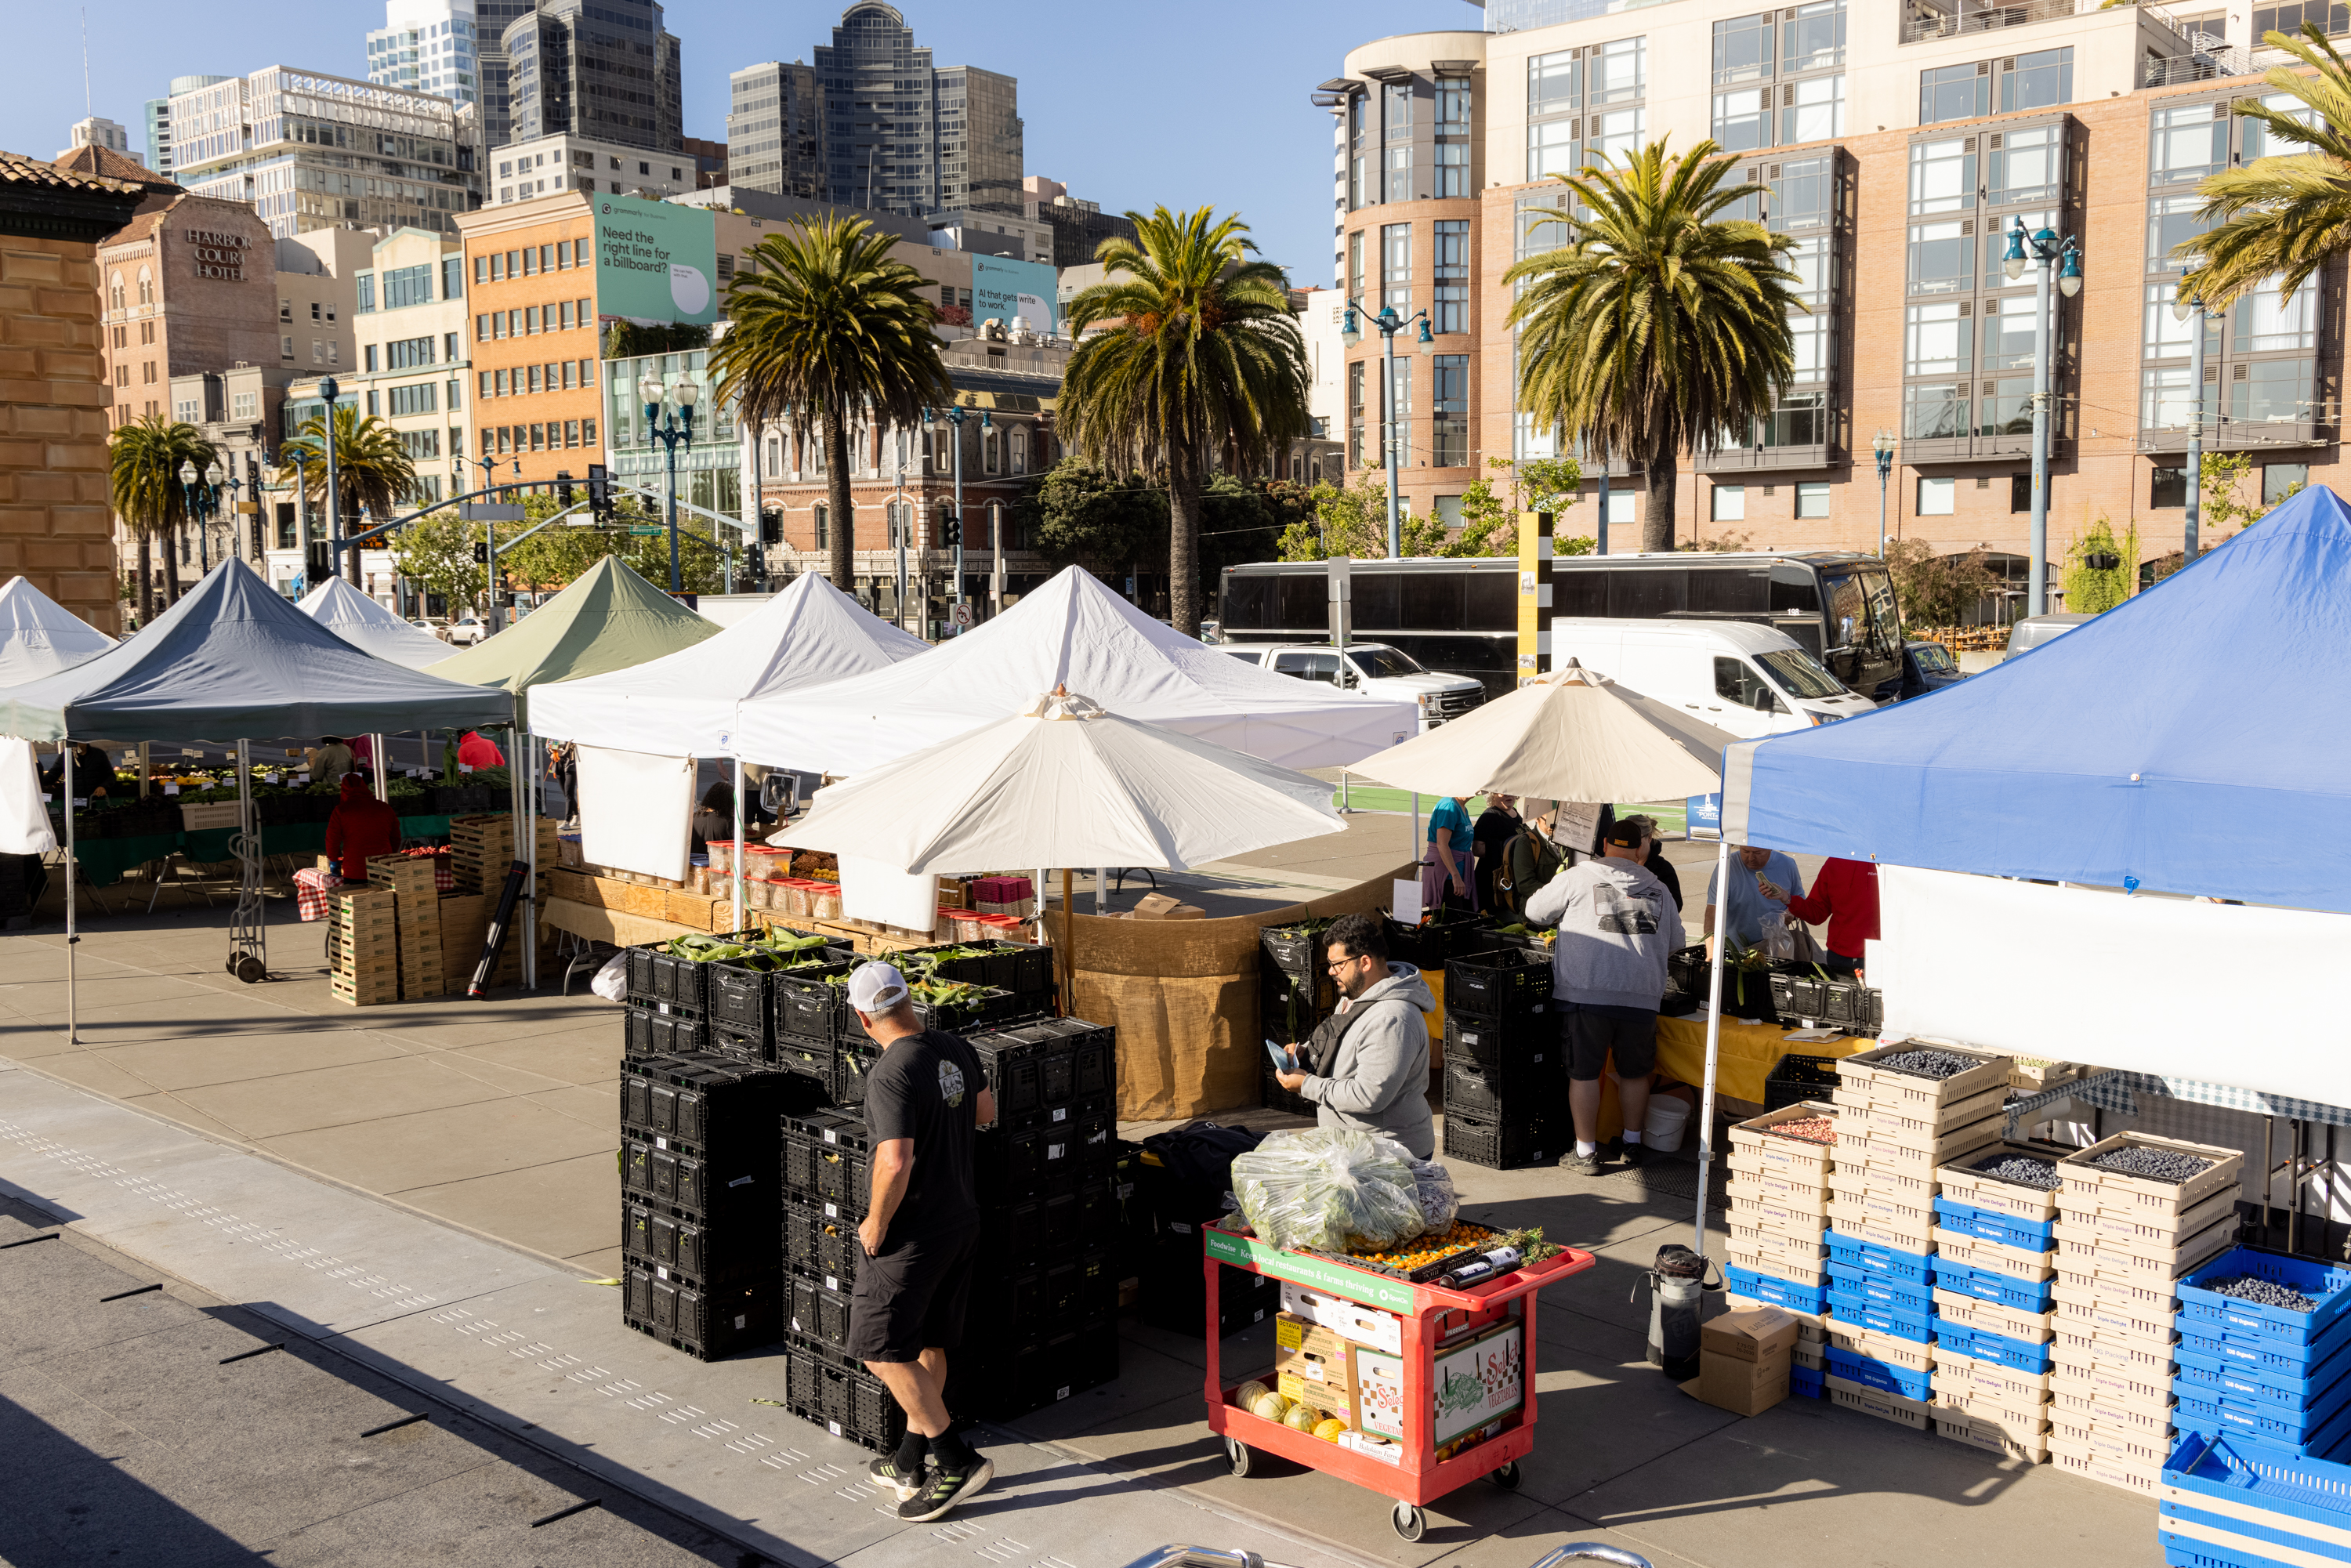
(1747, 679)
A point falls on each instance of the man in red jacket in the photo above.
(361, 826)
(477, 751)
(1845, 894)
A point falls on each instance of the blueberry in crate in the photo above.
(2224, 1292)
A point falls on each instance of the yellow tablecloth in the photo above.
(1749, 1053)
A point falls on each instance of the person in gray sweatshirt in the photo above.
(1616, 924)
(1366, 1065)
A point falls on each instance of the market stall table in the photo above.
(1417, 1478)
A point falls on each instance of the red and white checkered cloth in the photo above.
(313, 892)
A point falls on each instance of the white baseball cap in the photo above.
(876, 988)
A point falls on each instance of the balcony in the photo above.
(1767, 459)
(2240, 435)
(1924, 20)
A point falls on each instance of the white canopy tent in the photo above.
(38, 636)
(1075, 633)
(369, 627)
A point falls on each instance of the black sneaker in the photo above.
(942, 1493)
(1580, 1164)
(1633, 1154)
(886, 1472)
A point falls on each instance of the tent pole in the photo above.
(735, 874)
(1069, 956)
(1713, 1050)
(375, 746)
(518, 781)
(65, 750)
(1102, 889)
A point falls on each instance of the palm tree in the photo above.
(143, 462)
(825, 326)
(2288, 214)
(1200, 364)
(372, 469)
(1658, 324)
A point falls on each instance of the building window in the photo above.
(1452, 170)
(1355, 264)
(1453, 105)
(2043, 80)
(1729, 504)
(587, 372)
(1936, 410)
(2271, 392)
(1743, 49)
(570, 432)
(456, 399)
(1399, 168)
(2171, 221)
(368, 358)
(1742, 119)
(1812, 111)
(823, 534)
(1955, 92)
(989, 463)
(115, 293)
(1021, 452)
(1812, 498)
(1937, 339)
(1400, 415)
(452, 278)
(1943, 176)
(2283, 481)
(147, 288)
(1937, 496)
(1449, 402)
(1551, 148)
(1395, 268)
(2264, 321)
(1620, 71)
(1355, 413)
(1450, 310)
(2167, 489)
(1943, 257)
(481, 269)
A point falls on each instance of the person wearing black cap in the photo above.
(1616, 924)
(924, 1102)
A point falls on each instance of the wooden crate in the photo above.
(696, 909)
(635, 898)
(577, 886)
(367, 993)
(401, 873)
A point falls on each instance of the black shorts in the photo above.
(911, 1298)
(1596, 1034)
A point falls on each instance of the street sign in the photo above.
(489, 512)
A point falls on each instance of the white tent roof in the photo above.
(683, 705)
(38, 636)
(1072, 633)
(369, 627)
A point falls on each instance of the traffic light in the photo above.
(754, 560)
(563, 496)
(599, 491)
(481, 553)
(951, 532)
(318, 562)
(772, 526)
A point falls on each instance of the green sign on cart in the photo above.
(1371, 1290)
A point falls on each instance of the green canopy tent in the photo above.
(609, 620)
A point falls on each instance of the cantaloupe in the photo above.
(1270, 1406)
(1302, 1417)
(1329, 1430)
(1249, 1392)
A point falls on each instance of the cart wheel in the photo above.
(1409, 1521)
(1237, 1455)
(1507, 1477)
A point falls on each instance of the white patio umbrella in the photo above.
(1064, 783)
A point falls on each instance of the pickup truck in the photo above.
(1374, 669)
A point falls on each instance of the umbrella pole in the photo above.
(735, 874)
(65, 750)
(1713, 1047)
(1069, 955)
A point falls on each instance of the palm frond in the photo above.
(2283, 217)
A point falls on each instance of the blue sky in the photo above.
(1130, 105)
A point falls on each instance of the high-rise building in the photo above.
(99, 132)
(903, 136)
(158, 116)
(1896, 149)
(775, 130)
(606, 71)
(427, 46)
(709, 163)
(317, 151)
(1079, 225)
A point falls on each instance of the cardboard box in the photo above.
(1350, 1320)
(1314, 1365)
(1477, 1381)
(1744, 1387)
(1161, 906)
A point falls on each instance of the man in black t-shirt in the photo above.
(924, 1102)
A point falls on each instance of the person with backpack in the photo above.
(1369, 1060)
(1530, 861)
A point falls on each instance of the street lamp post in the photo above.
(326, 389)
(214, 475)
(1388, 324)
(2045, 249)
(672, 430)
(190, 507)
(2182, 309)
(1884, 447)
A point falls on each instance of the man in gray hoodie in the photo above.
(1616, 924)
(1369, 1060)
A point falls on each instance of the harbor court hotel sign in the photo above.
(219, 256)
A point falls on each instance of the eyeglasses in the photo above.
(1334, 969)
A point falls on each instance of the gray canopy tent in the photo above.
(233, 661)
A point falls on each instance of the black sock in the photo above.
(954, 1455)
(910, 1449)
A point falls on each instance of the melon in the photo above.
(1302, 1417)
(1270, 1406)
(1249, 1392)
(1329, 1430)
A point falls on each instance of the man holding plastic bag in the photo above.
(1366, 1065)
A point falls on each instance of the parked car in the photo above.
(1928, 667)
(2035, 630)
(465, 633)
(1738, 676)
(1374, 669)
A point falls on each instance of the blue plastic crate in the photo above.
(1910, 1267)
(1779, 1292)
(1874, 1373)
(2328, 1283)
(2187, 1551)
(2260, 1352)
(2298, 1491)
(2299, 1432)
(1879, 1318)
(1990, 1225)
(1985, 1345)
(1872, 1286)
(1805, 1382)
(1989, 1285)
(2289, 1387)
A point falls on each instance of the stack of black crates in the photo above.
(1294, 993)
(1163, 1215)
(1505, 1063)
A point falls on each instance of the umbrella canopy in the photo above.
(368, 626)
(683, 706)
(1064, 783)
(1573, 736)
(233, 660)
(609, 620)
(38, 636)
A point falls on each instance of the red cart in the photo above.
(1427, 1311)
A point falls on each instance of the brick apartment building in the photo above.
(531, 279)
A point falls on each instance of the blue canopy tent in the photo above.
(2169, 745)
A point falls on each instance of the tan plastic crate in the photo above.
(1783, 1197)
(2078, 1461)
(1794, 1156)
(1962, 1400)
(1915, 1414)
(1918, 1126)
(1899, 1089)
(1977, 1190)
(2033, 1328)
(1975, 1253)
(2096, 1312)
(2129, 1387)
(1996, 1386)
(1794, 1255)
(2148, 1236)
(1885, 1156)
(1959, 1427)
(2110, 1267)
(2131, 1353)
(1854, 1170)
(2114, 1190)
(1912, 1354)
(1864, 1226)
(2088, 1406)
(2129, 1445)
(1755, 1259)
(1794, 1225)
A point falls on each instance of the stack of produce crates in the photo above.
(2136, 1213)
(1996, 1307)
(1903, 1111)
(1780, 1165)
(364, 949)
(410, 880)
(1505, 1063)
(2230, 1503)
(481, 847)
(1294, 995)
(2264, 1355)
(701, 1140)
(827, 1170)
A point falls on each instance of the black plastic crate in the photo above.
(983, 1007)
(738, 998)
(804, 1143)
(640, 973)
(1176, 1298)
(1499, 1144)
(1854, 1007)
(819, 1312)
(1795, 1078)
(708, 1324)
(1013, 1061)
(808, 1006)
(1026, 967)
(735, 1192)
(1288, 1012)
(808, 1059)
(681, 982)
(820, 1246)
(1295, 950)
(753, 1050)
(1797, 997)
(1495, 1041)
(637, 1033)
(687, 1251)
(1431, 946)
(849, 1066)
(1746, 994)
(838, 1163)
(1508, 982)
(824, 1386)
(705, 1101)
(1529, 1089)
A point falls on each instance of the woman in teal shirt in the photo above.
(1446, 866)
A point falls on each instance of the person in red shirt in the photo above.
(1845, 894)
(361, 826)
(475, 751)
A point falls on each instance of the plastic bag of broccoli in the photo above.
(1329, 1190)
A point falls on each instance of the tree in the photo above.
(827, 328)
(2288, 214)
(372, 469)
(1657, 325)
(1537, 485)
(1077, 515)
(1198, 359)
(436, 551)
(2090, 590)
(142, 478)
(1937, 589)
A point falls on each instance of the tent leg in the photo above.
(376, 748)
(1101, 890)
(520, 781)
(1713, 1054)
(734, 876)
(65, 750)
(246, 937)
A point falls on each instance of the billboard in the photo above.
(655, 262)
(1003, 289)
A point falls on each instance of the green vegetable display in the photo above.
(1329, 1190)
